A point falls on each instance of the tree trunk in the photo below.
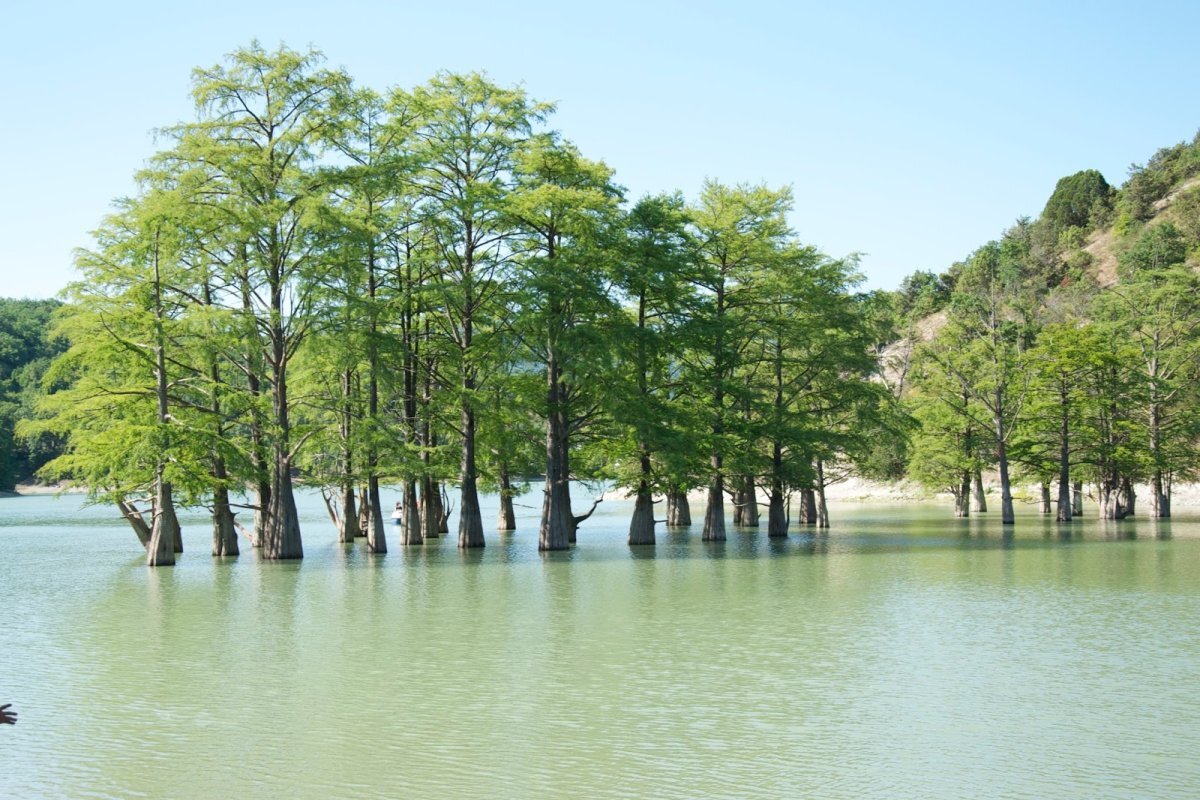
(225, 541)
(978, 496)
(641, 526)
(1046, 505)
(558, 521)
(410, 532)
(679, 513)
(822, 507)
(136, 521)
(1006, 500)
(1160, 499)
(507, 520)
(1106, 490)
(349, 530)
(443, 510)
(161, 550)
(470, 520)
(808, 506)
(1128, 497)
(1063, 505)
(1063, 508)
(714, 512)
(364, 512)
(1077, 499)
(962, 496)
(376, 538)
(749, 494)
(777, 522)
(431, 504)
(282, 539)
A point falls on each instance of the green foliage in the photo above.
(26, 348)
(1076, 199)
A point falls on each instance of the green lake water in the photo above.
(902, 655)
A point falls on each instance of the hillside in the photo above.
(1076, 244)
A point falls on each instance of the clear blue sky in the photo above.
(911, 133)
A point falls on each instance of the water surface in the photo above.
(902, 655)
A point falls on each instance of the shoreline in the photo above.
(851, 491)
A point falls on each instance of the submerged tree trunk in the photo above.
(979, 498)
(714, 512)
(470, 520)
(1106, 491)
(1128, 497)
(641, 526)
(1077, 499)
(431, 508)
(748, 495)
(557, 528)
(1006, 500)
(349, 530)
(777, 522)
(962, 496)
(225, 541)
(282, 539)
(679, 514)
(821, 506)
(1046, 505)
(1063, 508)
(808, 506)
(161, 549)
(443, 509)
(507, 519)
(410, 530)
(376, 538)
(1160, 495)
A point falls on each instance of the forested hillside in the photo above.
(1064, 353)
(26, 349)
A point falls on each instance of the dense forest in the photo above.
(430, 288)
(26, 350)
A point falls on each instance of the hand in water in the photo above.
(7, 717)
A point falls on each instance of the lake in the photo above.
(905, 654)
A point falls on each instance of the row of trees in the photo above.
(416, 287)
(1064, 382)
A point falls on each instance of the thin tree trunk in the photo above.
(225, 541)
(1077, 499)
(430, 507)
(1006, 501)
(136, 521)
(1063, 507)
(349, 529)
(821, 506)
(507, 520)
(1046, 504)
(376, 538)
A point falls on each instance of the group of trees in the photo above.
(26, 350)
(1042, 376)
(318, 281)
